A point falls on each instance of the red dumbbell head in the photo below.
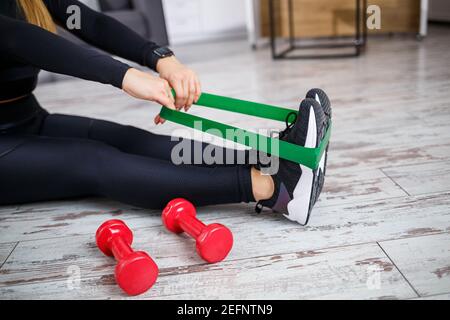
(214, 243)
(108, 230)
(171, 212)
(136, 272)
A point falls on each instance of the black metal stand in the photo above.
(358, 42)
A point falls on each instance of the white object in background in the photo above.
(423, 18)
(201, 20)
(182, 19)
(253, 22)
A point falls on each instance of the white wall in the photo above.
(202, 20)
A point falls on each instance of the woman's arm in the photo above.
(37, 47)
(112, 36)
(106, 33)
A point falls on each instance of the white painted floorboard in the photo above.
(424, 261)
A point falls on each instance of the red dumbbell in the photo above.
(214, 241)
(135, 272)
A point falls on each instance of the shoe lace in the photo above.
(289, 124)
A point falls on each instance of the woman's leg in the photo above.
(136, 141)
(39, 168)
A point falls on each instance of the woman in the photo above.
(50, 156)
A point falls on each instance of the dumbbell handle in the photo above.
(191, 225)
(120, 248)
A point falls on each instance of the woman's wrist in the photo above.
(127, 78)
(163, 63)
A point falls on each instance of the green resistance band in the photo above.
(309, 157)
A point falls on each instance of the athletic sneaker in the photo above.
(320, 96)
(297, 187)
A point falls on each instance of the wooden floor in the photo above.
(380, 231)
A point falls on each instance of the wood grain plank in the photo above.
(445, 296)
(354, 187)
(82, 217)
(5, 251)
(424, 261)
(56, 219)
(422, 178)
(362, 272)
(255, 235)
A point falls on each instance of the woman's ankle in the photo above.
(262, 185)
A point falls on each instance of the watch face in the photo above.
(164, 52)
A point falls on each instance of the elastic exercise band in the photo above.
(309, 157)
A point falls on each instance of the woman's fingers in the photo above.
(185, 91)
(165, 100)
(169, 93)
(179, 94)
(170, 102)
(198, 90)
(191, 90)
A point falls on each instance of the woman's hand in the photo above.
(183, 80)
(144, 86)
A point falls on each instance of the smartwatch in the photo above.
(163, 52)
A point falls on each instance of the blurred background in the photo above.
(180, 23)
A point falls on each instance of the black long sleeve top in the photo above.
(25, 49)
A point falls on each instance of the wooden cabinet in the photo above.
(318, 18)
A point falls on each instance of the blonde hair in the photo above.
(36, 13)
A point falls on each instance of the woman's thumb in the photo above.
(166, 101)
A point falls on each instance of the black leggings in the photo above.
(52, 157)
